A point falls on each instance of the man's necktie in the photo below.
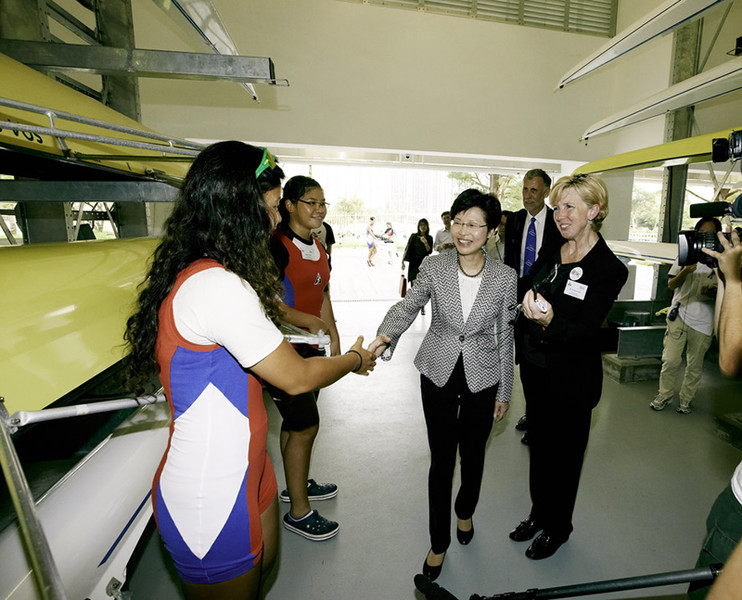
(529, 257)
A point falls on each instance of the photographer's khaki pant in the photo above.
(679, 337)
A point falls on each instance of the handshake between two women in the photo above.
(368, 356)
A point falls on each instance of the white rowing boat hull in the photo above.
(94, 516)
(656, 252)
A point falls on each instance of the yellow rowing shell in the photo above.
(681, 152)
(23, 84)
(64, 310)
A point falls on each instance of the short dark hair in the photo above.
(297, 186)
(702, 220)
(445, 212)
(538, 173)
(488, 203)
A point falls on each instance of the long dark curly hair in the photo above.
(220, 214)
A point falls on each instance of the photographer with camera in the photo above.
(724, 522)
(690, 324)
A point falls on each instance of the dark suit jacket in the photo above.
(486, 338)
(514, 237)
(569, 348)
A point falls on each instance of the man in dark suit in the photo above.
(528, 233)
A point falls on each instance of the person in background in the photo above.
(204, 322)
(388, 237)
(496, 244)
(304, 271)
(418, 247)
(560, 360)
(724, 521)
(465, 362)
(690, 324)
(443, 240)
(371, 242)
(530, 232)
(325, 235)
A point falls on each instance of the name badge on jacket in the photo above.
(576, 290)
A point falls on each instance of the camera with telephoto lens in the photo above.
(724, 149)
(691, 242)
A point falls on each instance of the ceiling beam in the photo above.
(142, 63)
(86, 191)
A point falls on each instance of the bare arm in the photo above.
(328, 317)
(729, 305)
(676, 281)
(729, 323)
(286, 370)
(304, 320)
(425, 243)
(727, 586)
(730, 331)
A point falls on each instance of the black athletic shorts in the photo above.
(298, 412)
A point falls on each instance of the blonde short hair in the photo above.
(591, 191)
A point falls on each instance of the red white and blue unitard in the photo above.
(305, 270)
(215, 478)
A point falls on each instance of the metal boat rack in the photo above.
(181, 149)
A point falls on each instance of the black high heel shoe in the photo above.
(431, 572)
(465, 537)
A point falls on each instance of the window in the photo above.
(594, 17)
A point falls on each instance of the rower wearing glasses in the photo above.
(304, 271)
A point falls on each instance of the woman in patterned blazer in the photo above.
(465, 361)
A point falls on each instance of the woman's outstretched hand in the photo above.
(368, 358)
(379, 344)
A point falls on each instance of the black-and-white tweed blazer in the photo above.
(485, 340)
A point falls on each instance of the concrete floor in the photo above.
(648, 481)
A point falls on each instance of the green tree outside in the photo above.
(505, 187)
(645, 209)
(348, 206)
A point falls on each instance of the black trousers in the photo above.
(456, 419)
(558, 431)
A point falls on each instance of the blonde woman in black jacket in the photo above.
(558, 347)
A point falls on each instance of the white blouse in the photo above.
(468, 288)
